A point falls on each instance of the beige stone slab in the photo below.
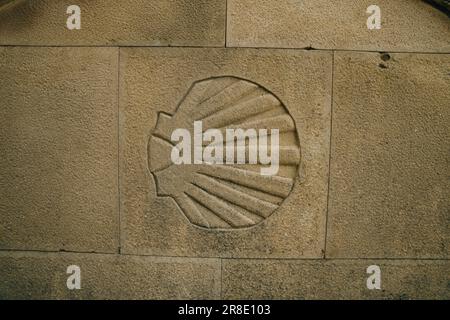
(58, 142)
(155, 80)
(129, 23)
(44, 276)
(407, 25)
(334, 279)
(390, 187)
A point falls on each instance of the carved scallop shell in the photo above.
(225, 196)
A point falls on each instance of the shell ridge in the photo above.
(253, 204)
(190, 210)
(258, 194)
(216, 205)
(211, 106)
(233, 115)
(214, 88)
(274, 112)
(219, 221)
(283, 123)
(244, 177)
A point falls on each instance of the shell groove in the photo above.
(225, 196)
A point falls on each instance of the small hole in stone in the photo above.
(382, 66)
(385, 57)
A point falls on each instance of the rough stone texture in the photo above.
(390, 187)
(5, 3)
(154, 80)
(43, 276)
(407, 25)
(338, 279)
(58, 141)
(130, 23)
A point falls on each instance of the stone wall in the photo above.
(368, 110)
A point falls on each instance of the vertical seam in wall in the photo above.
(329, 156)
(221, 278)
(118, 152)
(226, 22)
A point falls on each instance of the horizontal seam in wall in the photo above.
(225, 48)
(227, 258)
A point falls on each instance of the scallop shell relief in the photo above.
(225, 196)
